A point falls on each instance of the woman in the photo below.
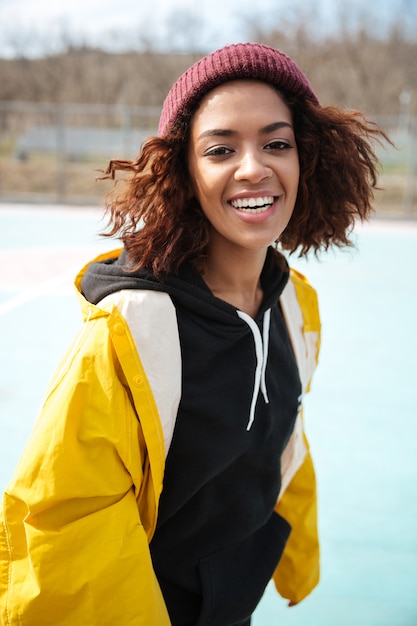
(168, 478)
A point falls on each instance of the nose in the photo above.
(252, 167)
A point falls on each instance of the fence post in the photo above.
(410, 184)
(126, 132)
(61, 178)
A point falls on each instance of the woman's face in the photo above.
(243, 163)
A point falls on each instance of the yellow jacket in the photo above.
(82, 506)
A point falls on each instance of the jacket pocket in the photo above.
(234, 578)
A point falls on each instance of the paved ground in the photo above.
(361, 414)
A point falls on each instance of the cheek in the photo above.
(196, 178)
(297, 168)
(292, 175)
(203, 184)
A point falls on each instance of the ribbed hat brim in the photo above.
(237, 61)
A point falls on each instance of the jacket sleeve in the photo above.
(298, 571)
(73, 548)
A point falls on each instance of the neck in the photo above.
(235, 278)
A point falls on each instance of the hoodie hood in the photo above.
(110, 275)
(205, 313)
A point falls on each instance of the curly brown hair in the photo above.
(161, 224)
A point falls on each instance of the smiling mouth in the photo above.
(253, 205)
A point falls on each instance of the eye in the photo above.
(278, 144)
(218, 151)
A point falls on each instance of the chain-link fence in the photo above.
(54, 153)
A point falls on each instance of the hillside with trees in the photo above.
(354, 67)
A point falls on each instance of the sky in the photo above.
(41, 25)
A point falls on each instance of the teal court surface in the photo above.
(361, 415)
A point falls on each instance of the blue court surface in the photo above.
(361, 416)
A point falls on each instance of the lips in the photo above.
(253, 205)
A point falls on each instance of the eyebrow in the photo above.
(222, 132)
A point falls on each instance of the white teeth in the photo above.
(256, 205)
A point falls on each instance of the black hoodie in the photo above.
(218, 540)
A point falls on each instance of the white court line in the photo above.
(34, 292)
(67, 210)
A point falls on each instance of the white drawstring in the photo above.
(261, 351)
(267, 320)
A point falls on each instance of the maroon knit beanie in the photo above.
(243, 60)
